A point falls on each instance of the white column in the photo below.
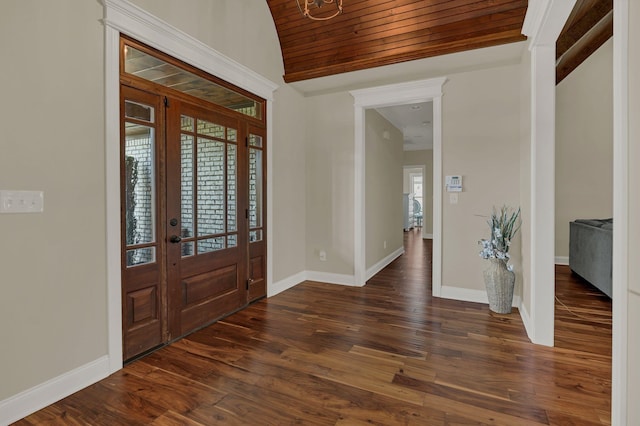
(543, 92)
(112, 164)
(625, 303)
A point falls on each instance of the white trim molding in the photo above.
(471, 295)
(21, 405)
(286, 284)
(384, 262)
(543, 22)
(562, 260)
(381, 96)
(422, 167)
(123, 17)
(331, 278)
(127, 18)
(620, 398)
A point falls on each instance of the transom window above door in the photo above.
(151, 66)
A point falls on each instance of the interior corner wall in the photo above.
(289, 231)
(481, 142)
(383, 188)
(424, 157)
(584, 145)
(330, 183)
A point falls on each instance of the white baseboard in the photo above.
(470, 295)
(464, 294)
(287, 283)
(562, 260)
(526, 320)
(31, 400)
(384, 263)
(330, 278)
(427, 237)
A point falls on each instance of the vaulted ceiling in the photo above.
(372, 33)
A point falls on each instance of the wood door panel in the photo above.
(142, 339)
(143, 305)
(143, 285)
(256, 268)
(205, 165)
(143, 322)
(197, 316)
(257, 281)
(209, 285)
(257, 263)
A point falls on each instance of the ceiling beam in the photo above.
(589, 27)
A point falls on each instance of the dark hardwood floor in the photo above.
(384, 354)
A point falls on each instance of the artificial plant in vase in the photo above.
(499, 277)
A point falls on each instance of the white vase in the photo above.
(499, 282)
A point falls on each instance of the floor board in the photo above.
(384, 354)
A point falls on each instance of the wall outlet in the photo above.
(323, 255)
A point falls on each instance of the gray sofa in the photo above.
(590, 251)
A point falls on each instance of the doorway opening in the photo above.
(398, 94)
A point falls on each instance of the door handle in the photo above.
(175, 239)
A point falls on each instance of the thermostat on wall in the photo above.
(453, 183)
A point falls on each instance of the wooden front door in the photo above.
(193, 217)
(207, 235)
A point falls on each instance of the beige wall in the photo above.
(330, 183)
(53, 305)
(383, 188)
(289, 184)
(481, 134)
(424, 158)
(584, 144)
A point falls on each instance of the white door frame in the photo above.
(123, 17)
(543, 23)
(390, 95)
(423, 169)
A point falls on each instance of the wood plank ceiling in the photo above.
(589, 26)
(374, 33)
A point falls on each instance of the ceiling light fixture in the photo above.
(311, 9)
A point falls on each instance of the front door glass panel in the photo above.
(139, 184)
(255, 188)
(209, 207)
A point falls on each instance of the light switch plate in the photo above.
(21, 201)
